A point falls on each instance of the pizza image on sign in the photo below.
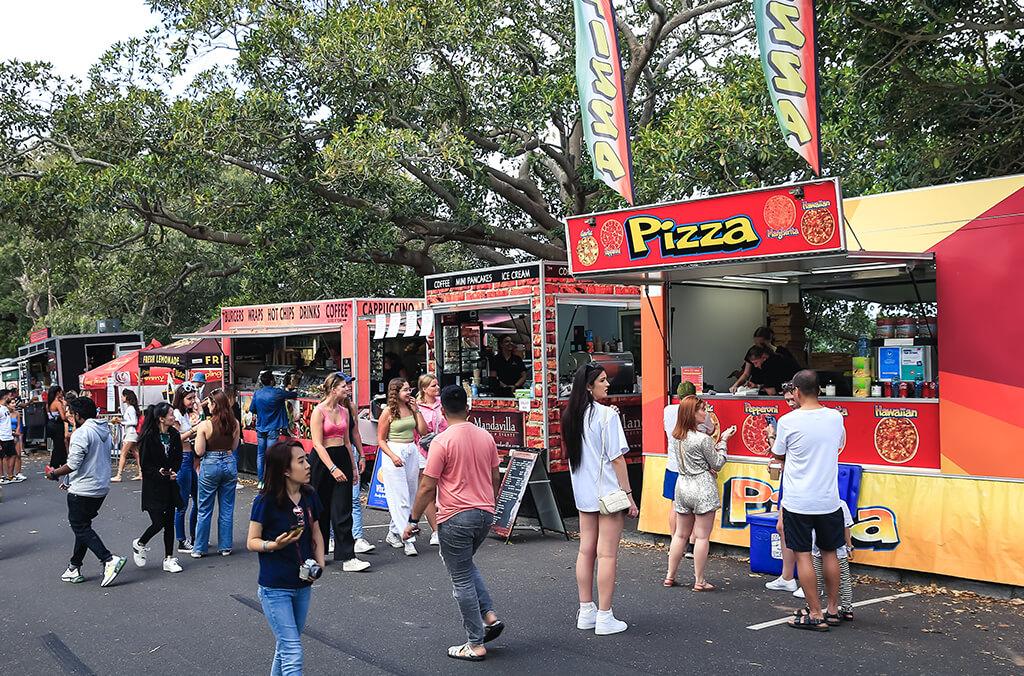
(587, 249)
(754, 436)
(779, 212)
(818, 226)
(896, 440)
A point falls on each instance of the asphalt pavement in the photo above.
(399, 617)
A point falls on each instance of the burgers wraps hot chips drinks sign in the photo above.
(793, 220)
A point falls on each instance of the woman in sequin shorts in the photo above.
(696, 499)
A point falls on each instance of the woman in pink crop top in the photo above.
(428, 396)
(332, 473)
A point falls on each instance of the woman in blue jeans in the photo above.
(185, 419)
(216, 441)
(284, 530)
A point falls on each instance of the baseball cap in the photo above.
(344, 376)
(199, 377)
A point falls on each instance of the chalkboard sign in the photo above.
(513, 489)
(526, 477)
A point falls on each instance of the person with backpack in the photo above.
(160, 457)
(332, 469)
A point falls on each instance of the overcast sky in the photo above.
(70, 34)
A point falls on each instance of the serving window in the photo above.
(304, 360)
(399, 357)
(489, 349)
(602, 332)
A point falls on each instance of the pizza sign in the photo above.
(801, 219)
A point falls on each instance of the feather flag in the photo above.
(602, 96)
(787, 37)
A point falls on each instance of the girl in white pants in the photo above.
(400, 466)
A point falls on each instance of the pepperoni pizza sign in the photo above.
(793, 220)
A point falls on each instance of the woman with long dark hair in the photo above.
(284, 529)
(57, 425)
(400, 466)
(160, 458)
(595, 444)
(130, 415)
(185, 420)
(696, 496)
(216, 441)
(330, 425)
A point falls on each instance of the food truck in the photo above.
(551, 324)
(59, 360)
(930, 407)
(303, 342)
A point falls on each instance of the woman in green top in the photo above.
(400, 466)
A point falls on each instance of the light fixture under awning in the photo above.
(265, 331)
(783, 269)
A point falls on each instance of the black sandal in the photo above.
(832, 619)
(846, 615)
(803, 612)
(808, 623)
(493, 630)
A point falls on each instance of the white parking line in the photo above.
(858, 604)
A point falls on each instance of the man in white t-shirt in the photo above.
(809, 440)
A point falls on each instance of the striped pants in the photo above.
(845, 582)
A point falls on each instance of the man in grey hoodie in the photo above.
(89, 468)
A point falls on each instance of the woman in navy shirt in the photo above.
(284, 530)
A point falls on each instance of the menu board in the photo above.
(513, 489)
(881, 432)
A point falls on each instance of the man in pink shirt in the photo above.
(462, 475)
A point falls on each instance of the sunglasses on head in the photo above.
(788, 387)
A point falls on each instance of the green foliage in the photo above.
(348, 148)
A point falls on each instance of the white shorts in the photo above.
(131, 435)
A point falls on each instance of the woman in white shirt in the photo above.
(129, 433)
(595, 444)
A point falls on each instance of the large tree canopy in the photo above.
(346, 147)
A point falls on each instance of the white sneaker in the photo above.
(410, 548)
(435, 541)
(362, 546)
(115, 479)
(19, 477)
(355, 565)
(196, 555)
(586, 617)
(139, 553)
(780, 584)
(606, 624)
(171, 565)
(72, 575)
(330, 546)
(111, 569)
(799, 593)
(394, 540)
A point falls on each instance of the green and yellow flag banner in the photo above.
(602, 96)
(787, 36)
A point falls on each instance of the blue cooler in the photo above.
(765, 545)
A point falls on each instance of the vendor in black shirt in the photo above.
(507, 370)
(763, 337)
(770, 369)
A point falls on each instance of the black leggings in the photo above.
(336, 500)
(162, 520)
(59, 452)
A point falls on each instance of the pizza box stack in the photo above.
(789, 323)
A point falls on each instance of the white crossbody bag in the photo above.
(617, 500)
